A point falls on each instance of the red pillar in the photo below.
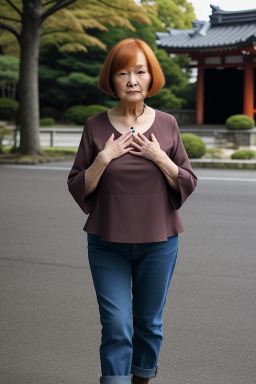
(248, 108)
(200, 94)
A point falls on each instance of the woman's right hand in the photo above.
(117, 148)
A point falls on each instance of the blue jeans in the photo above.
(131, 283)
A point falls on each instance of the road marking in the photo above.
(47, 168)
(226, 179)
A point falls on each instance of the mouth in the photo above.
(133, 92)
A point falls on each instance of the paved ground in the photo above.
(49, 319)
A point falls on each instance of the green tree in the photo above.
(30, 21)
(59, 91)
(9, 75)
(172, 13)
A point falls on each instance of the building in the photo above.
(224, 52)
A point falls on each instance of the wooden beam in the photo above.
(248, 107)
(200, 94)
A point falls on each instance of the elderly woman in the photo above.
(131, 175)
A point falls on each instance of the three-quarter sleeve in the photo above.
(186, 178)
(76, 178)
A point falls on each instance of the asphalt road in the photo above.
(50, 330)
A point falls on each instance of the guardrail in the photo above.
(220, 135)
(52, 133)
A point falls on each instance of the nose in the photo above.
(132, 81)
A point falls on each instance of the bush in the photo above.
(79, 113)
(245, 154)
(47, 122)
(214, 153)
(194, 145)
(8, 108)
(50, 112)
(239, 122)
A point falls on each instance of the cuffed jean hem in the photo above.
(145, 373)
(115, 380)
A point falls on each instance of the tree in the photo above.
(24, 19)
(57, 69)
(9, 75)
(172, 13)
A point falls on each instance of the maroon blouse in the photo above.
(133, 202)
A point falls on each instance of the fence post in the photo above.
(52, 137)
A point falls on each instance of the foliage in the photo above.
(165, 99)
(245, 154)
(214, 153)
(9, 75)
(171, 69)
(173, 13)
(8, 108)
(73, 75)
(50, 112)
(239, 122)
(47, 122)
(79, 113)
(3, 132)
(66, 22)
(83, 29)
(187, 93)
(194, 145)
(59, 151)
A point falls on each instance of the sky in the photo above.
(203, 9)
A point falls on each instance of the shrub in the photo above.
(8, 108)
(79, 113)
(245, 154)
(47, 122)
(50, 112)
(239, 122)
(194, 145)
(214, 153)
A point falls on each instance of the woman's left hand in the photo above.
(149, 149)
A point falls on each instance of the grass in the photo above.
(49, 154)
(59, 151)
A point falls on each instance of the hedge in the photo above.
(194, 145)
(47, 122)
(80, 113)
(8, 108)
(240, 122)
(244, 154)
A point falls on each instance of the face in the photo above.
(132, 83)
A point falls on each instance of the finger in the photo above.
(112, 137)
(125, 137)
(153, 137)
(129, 149)
(135, 145)
(132, 152)
(127, 143)
(137, 139)
(142, 137)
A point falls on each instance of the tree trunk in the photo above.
(28, 86)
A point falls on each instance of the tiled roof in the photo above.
(225, 29)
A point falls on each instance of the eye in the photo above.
(141, 72)
(121, 74)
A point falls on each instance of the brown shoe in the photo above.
(140, 380)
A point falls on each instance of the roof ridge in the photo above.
(219, 16)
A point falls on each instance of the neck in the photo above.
(130, 110)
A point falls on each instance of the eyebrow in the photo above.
(140, 65)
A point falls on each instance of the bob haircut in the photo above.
(123, 55)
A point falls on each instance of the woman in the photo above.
(131, 174)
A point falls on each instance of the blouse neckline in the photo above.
(116, 130)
